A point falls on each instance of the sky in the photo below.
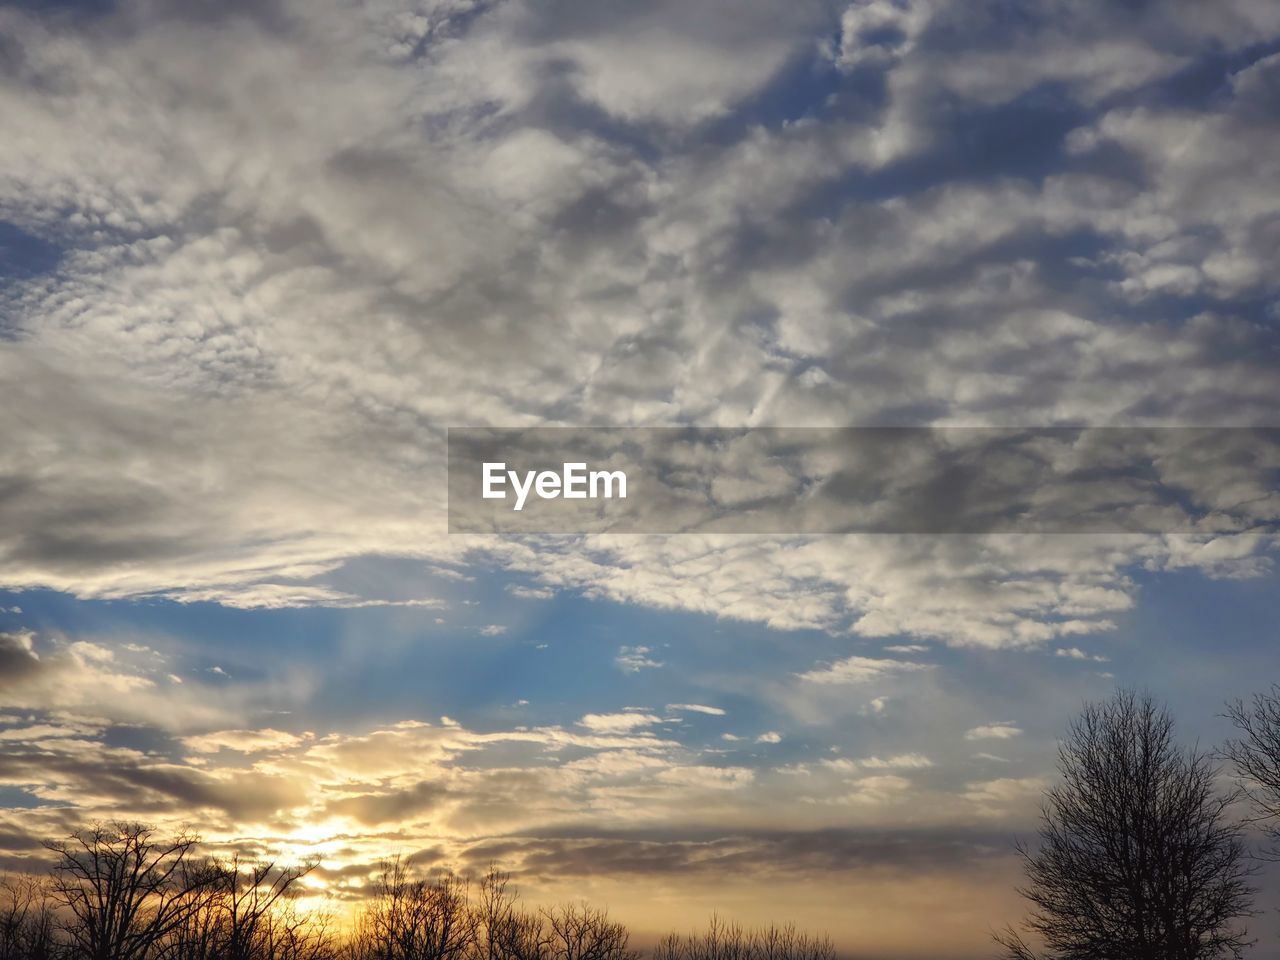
(257, 257)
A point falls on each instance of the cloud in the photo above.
(393, 806)
(243, 741)
(343, 794)
(872, 791)
(902, 761)
(991, 757)
(530, 593)
(239, 440)
(695, 708)
(860, 670)
(768, 853)
(878, 32)
(708, 778)
(998, 797)
(1075, 653)
(993, 731)
(771, 736)
(88, 678)
(618, 722)
(635, 659)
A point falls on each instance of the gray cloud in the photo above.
(776, 853)
(297, 242)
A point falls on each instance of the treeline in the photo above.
(729, 941)
(120, 891)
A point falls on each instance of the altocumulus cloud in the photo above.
(300, 242)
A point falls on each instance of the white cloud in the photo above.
(243, 741)
(1075, 653)
(618, 722)
(87, 679)
(993, 731)
(635, 659)
(696, 708)
(860, 670)
(901, 761)
(530, 593)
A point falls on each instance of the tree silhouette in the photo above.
(504, 931)
(125, 889)
(415, 919)
(1256, 756)
(243, 914)
(248, 895)
(408, 918)
(729, 941)
(1137, 859)
(27, 922)
(584, 932)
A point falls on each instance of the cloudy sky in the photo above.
(257, 256)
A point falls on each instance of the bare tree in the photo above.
(730, 941)
(504, 931)
(1256, 757)
(125, 889)
(27, 920)
(292, 935)
(249, 893)
(583, 932)
(202, 930)
(1137, 858)
(410, 919)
